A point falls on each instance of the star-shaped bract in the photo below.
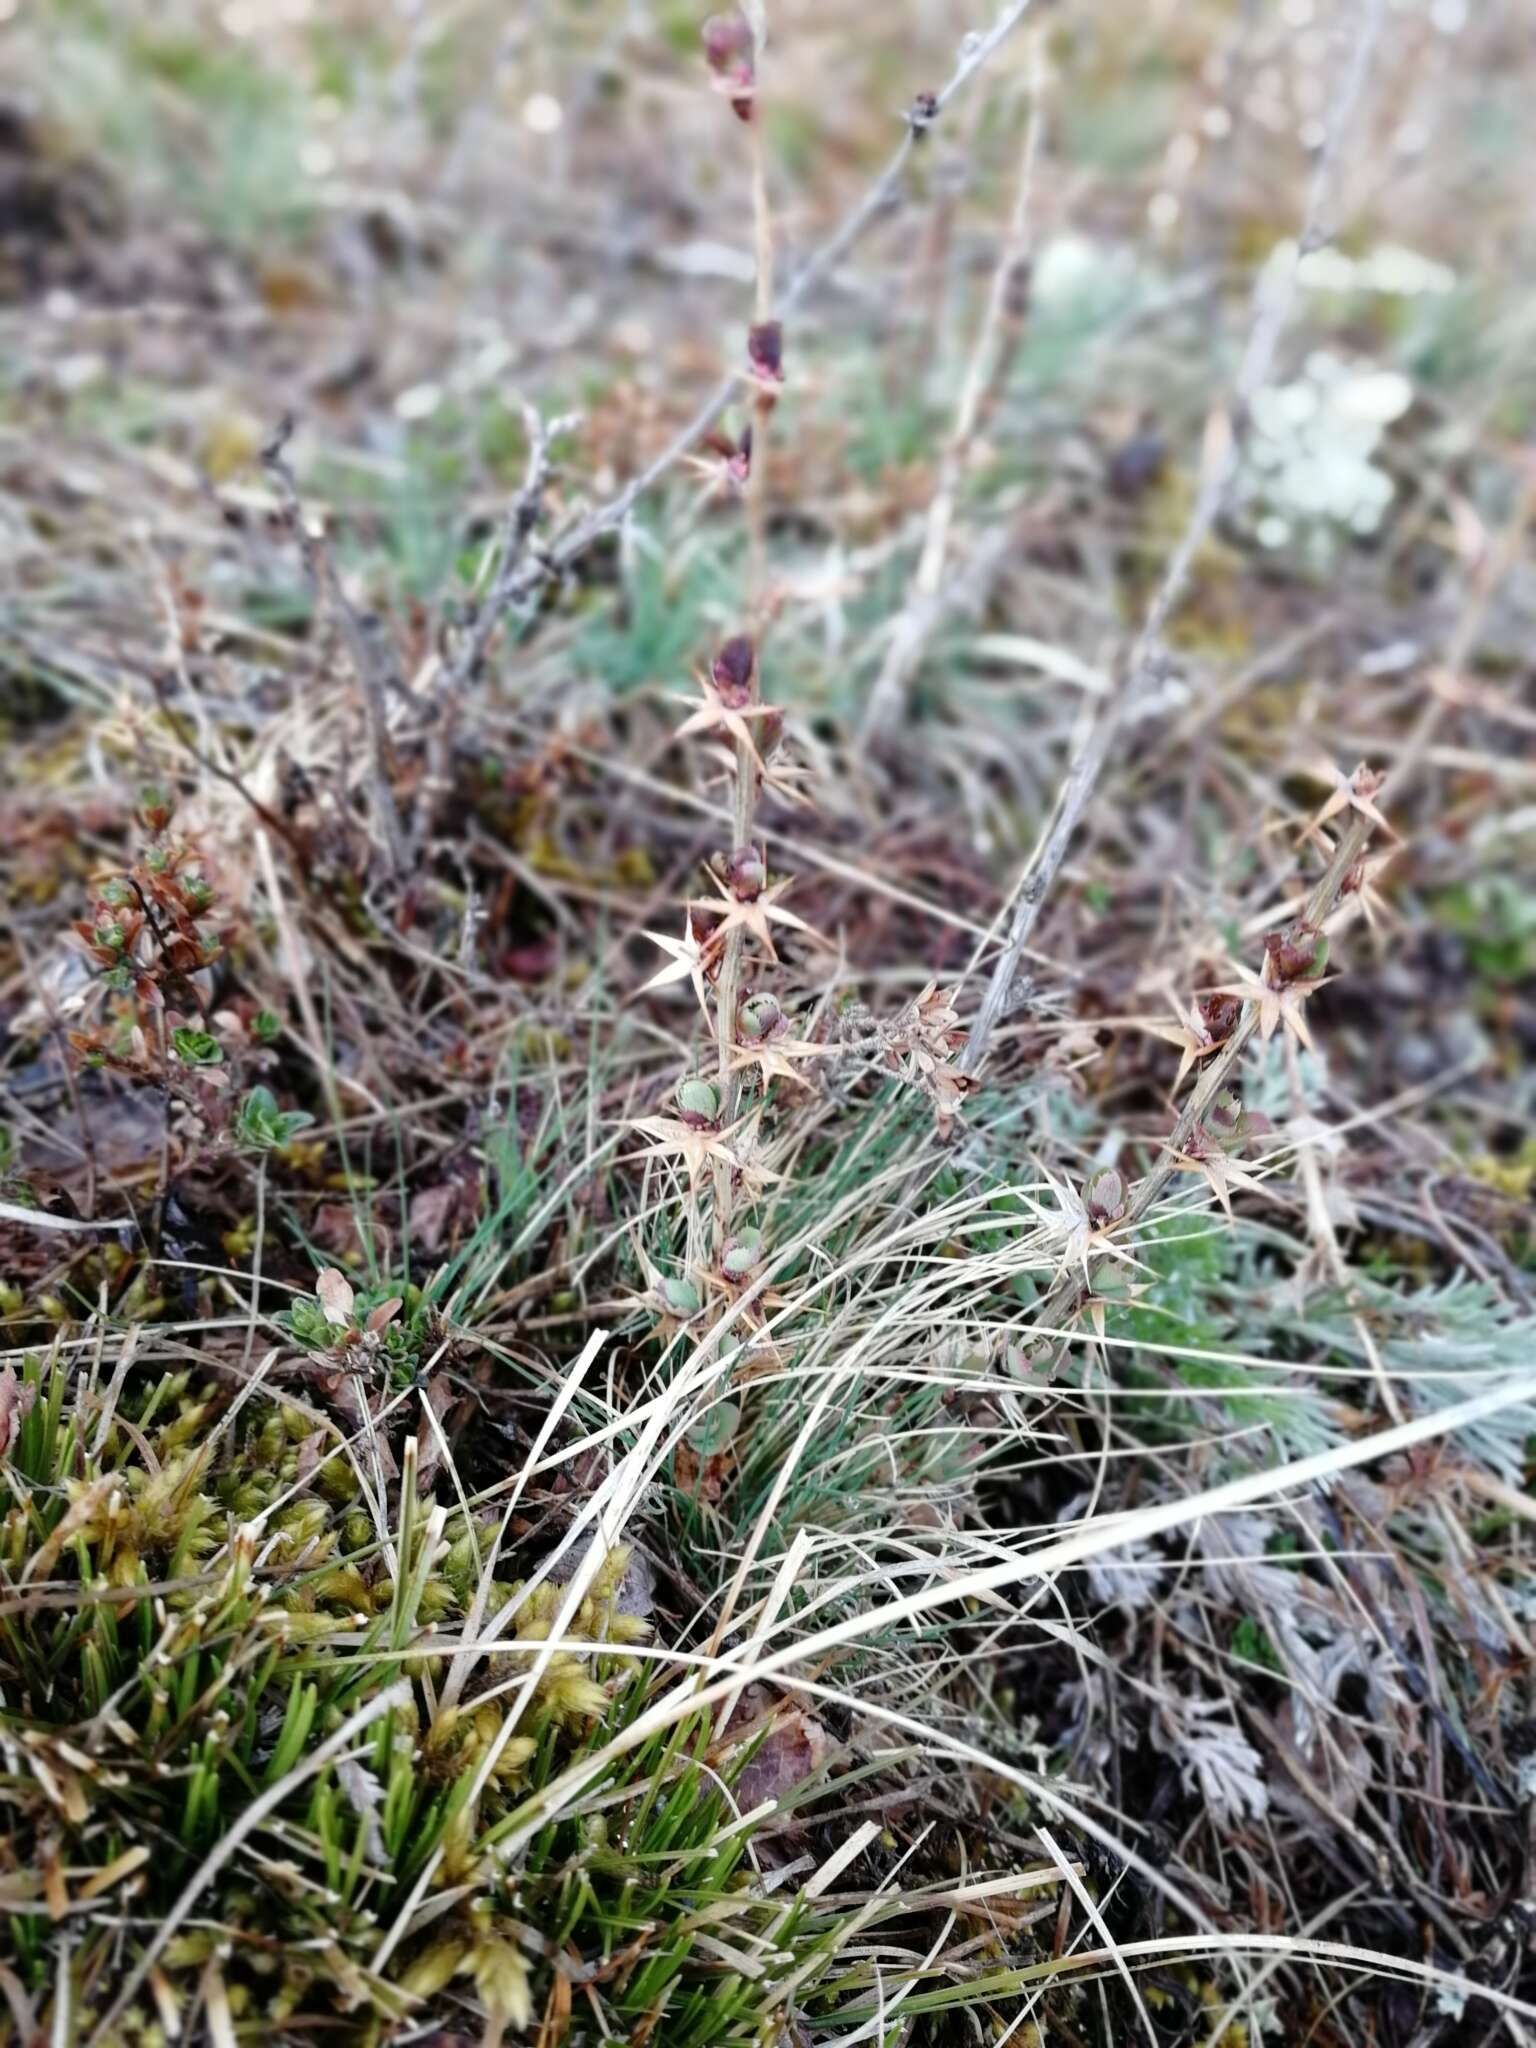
(1204, 1156)
(1355, 792)
(1190, 1035)
(1080, 1240)
(711, 713)
(776, 1057)
(700, 1147)
(1279, 1003)
(685, 962)
(753, 914)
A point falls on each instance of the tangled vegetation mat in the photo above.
(767, 1005)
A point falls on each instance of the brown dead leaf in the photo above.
(794, 1748)
(334, 1292)
(15, 1405)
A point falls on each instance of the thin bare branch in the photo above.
(371, 677)
(975, 51)
(914, 626)
(1274, 297)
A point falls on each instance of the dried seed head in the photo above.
(1299, 953)
(759, 1017)
(741, 1254)
(1219, 1014)
(730, 50)
(1104, 1197)
(765, 352)
(732, 671)
(746, 873)
(698, 1103)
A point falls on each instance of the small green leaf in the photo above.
(196, 1048)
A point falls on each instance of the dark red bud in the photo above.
(924, 111)
(765, 351)
(1299, 953)
(733, 669)
(746, 873)
(1219, 1014)
(730, 50)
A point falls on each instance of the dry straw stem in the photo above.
(1274, 296)
(914, 627)
(372, 681)
(783, 1664)
(974, 53)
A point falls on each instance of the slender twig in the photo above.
(914, 627)
(372, 681)
(1045, 861)
(173, 719)
(1274, 296)
(974, 53)
(514, 549)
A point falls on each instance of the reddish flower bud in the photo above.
(1219, 1014)
(702, 927)
(923, 112)
(730, 50)
(765, 352)
(1299, 953)
(732, 671)
(746, 873)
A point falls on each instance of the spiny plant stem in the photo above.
(728, 990)
(974, 53)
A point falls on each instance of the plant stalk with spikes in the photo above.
(764, 356)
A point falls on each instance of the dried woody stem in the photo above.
(1274, 296)
(372, 678)
(914, 626)
(728, 990)
(974, 53)
(515, 550)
